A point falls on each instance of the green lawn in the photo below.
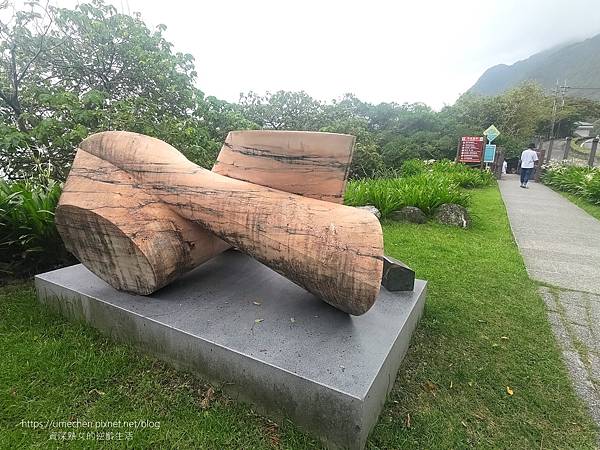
(590, 208)
(484, 330)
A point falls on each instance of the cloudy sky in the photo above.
(402, 51)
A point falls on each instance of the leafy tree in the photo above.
(283, 110)
(67, 73)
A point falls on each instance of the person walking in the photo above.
(528, 159)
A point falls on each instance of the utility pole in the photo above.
(551, 135)
(563, 90)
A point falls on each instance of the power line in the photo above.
(592, 88)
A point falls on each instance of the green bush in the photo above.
(412, 167)
(591, 187)
(425, 191)
(581, 181)
(465, 176)
(29, 241)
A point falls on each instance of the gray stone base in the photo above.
(262, 338)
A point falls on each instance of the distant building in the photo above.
(584, 129)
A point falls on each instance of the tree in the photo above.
(283, 110)
(67, 73)
(23, 42)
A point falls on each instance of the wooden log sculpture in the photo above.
(332, 250)
(148, 252)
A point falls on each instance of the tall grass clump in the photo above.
(581, 181)
(463, 175)
(424, 191)
(29, 241)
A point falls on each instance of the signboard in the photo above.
(490, 153)
(491, 133)
(471, 149)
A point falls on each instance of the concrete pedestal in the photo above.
(264, 339)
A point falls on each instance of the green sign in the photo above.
(491, 133)
(490, 153)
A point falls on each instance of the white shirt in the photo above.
(504, 166)
(528, 158)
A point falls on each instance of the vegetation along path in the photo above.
(559, 243)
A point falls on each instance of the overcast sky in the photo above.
(402, 51)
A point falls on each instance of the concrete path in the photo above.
(560, 244)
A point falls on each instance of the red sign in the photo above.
(471, 149)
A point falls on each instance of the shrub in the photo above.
(465, 176)
(29, 241)
(425, 191)
(412, 167)
(591, 187)
(581, 181)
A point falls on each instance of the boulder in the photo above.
(371, 209)
(452, 214)
(409, 214)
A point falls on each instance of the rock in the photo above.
(452, 214)
(371, 209)
(409, 214)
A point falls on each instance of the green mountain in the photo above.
(577, 63)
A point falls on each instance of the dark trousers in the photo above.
(526, 174)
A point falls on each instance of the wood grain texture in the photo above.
(122, 233)
(157, 246)
(332, 250)
(310, 164)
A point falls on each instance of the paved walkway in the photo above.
(560, 244)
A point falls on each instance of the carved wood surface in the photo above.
(332, 250)
(125, 235)
(314, 165)
(158, 245)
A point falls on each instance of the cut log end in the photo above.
(107, 251)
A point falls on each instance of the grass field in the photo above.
(483, 370)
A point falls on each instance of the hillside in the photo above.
(577, 63)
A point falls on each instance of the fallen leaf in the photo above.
(272, 431)
(96, 391)
(292, 320)
(258, 320)
(509, 391)
(408, 420)
(208, 398)
(470, 383)
(495, 345)
(257, 303)
(451, 384)
(463, 423)
(504, 337)
(430, 386)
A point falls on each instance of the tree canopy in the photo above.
(66, 73)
